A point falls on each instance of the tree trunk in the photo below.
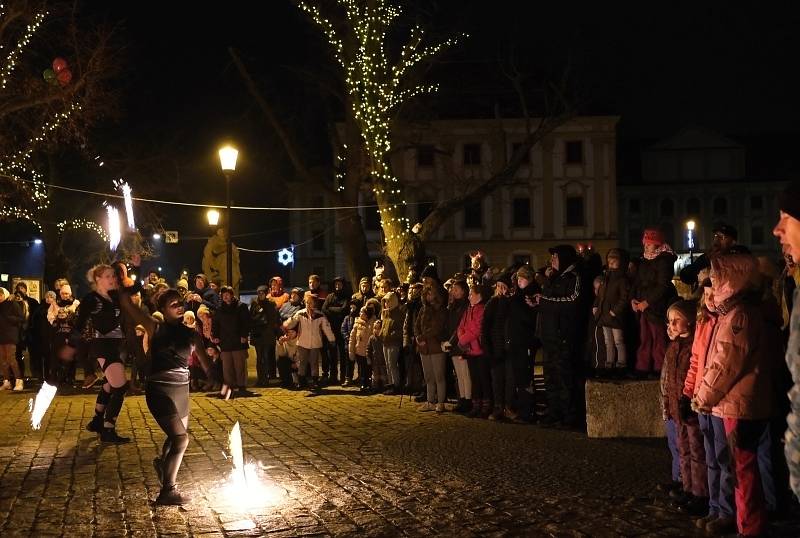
(354, 245)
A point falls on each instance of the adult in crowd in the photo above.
(724, 241)
(363, 294)
(293, 305)
(264, 331)
(231, 326)
(651, 294)
(276, 292)
(523, 344)
(11, 320)
(335, 307)
(495, 333)
(429, 331)
(202, 294)
(455, 311)
(26, 340)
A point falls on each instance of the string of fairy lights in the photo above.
(376, 90)
(11, 60)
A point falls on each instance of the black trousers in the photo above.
(560, 379)
(265, 359)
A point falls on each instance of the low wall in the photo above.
(623, 409)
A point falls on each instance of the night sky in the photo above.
(660, 67)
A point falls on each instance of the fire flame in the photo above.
(127, 196)
(114, 232)
(245, 486)
(39, 407)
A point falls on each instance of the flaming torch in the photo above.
(114, 231)
(39, 407)
(126, 195)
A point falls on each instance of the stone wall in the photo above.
(623, 409)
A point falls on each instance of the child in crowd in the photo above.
(611, 309)
(286, 353)
(595, 345)
(359, 341)
(347, 328)
(693, 495)
(376, 362)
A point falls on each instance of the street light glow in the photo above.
(227, 158)
(213, 217)
(157, 236)
(37, 241)
(690, 225)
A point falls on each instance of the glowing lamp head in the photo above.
(227, 158)
(37, 241)
(213, 217)
(690, 225)
(156, 236)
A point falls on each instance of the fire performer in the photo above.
(167, 392)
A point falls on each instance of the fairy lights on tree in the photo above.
(376, 86)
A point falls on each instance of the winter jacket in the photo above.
(231, 325)
(613, 299)
(281, 299)
(310, 328)
(738, 377)
(559, 306)
(360, 299)
(11, 320)
(673, 375)
(494, 327)
(469, 331)
(359, 337)
(455, 312)
(392, 321)
(375, 356)
(697, 362)
(654, 284)
(522, 319)
(289, 309)
(347, 328)
(412, 310)
(264, 320)
(210, 299)
(430, 326)
(335, 308)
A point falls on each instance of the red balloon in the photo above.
(64, 76)
(59, 64)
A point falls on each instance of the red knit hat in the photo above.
(652, 236)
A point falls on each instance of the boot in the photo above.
(721, 526)
(170, 496)
(96, 424)
(109, 435)
(6, 385)
(159, 469)
(486, 409)
(496, 414)
(18, 385)
(475, 412)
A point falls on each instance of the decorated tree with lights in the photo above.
(377, 83)
(53, 76)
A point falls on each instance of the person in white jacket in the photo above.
(310, 324)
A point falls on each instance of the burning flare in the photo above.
(39, 407)
(245, 486)
(114, 231)
(127, 196)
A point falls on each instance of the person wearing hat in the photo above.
(559, 312)
(612, 310)
(293, 305)
(723, 242)
(230, 328)
(335, 308)
(276, 292)
(183, 287)
(264, 330)
(523, 343)
(787, 230)
(203, 294)
(651, 293)
(363, 294)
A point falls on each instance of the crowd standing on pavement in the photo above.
(472, 344)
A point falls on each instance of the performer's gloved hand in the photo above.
(121, 270)
(685, 408)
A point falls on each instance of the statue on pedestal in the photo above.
(215, 261)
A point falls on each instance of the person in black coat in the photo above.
(559, 310)
(11, 320)
(230, 328)
(612, 310)
(335, 308)
(496, 345)
(523, 343)
(264, 331)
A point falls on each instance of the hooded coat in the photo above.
(336, 307)
(737, 382)
(392, 318)
(654, 284)
(359, 337)
(231, 325)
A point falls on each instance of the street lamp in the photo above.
(227, 161)
(213, 217)
(690, 239)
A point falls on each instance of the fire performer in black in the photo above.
(167, 392)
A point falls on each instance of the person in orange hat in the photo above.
(276, 292)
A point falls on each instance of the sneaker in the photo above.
(95, 425)
(497, 414)
(346, 383)
(159, 469)
(475, 412)
(109, 435)
(721, 526)
(89, 381)
(440, 408)
(427, 406)
(510, 414)
(172, 497)
(18, 385)
(6, 385)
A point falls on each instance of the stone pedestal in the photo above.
(624, 409)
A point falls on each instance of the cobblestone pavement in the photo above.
(340, 464)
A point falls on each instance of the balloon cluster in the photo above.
(59, 74)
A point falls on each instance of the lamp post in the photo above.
(227, 161)
(690, 239)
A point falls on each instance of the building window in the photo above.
(521, 259)
(473, 215)
(575, 211)
(472, 154)
(423, 210)
(693, 207)
(667, 207)
(318, 240)
(756, 203)
(720, 206)
(757, 235)
(574, 152)
(634, 206)
(425, 156)
(521, 216)
(526, 158)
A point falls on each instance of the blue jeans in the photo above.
(718, 461)
(672, 443)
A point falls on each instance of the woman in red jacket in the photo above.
(469, 341)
